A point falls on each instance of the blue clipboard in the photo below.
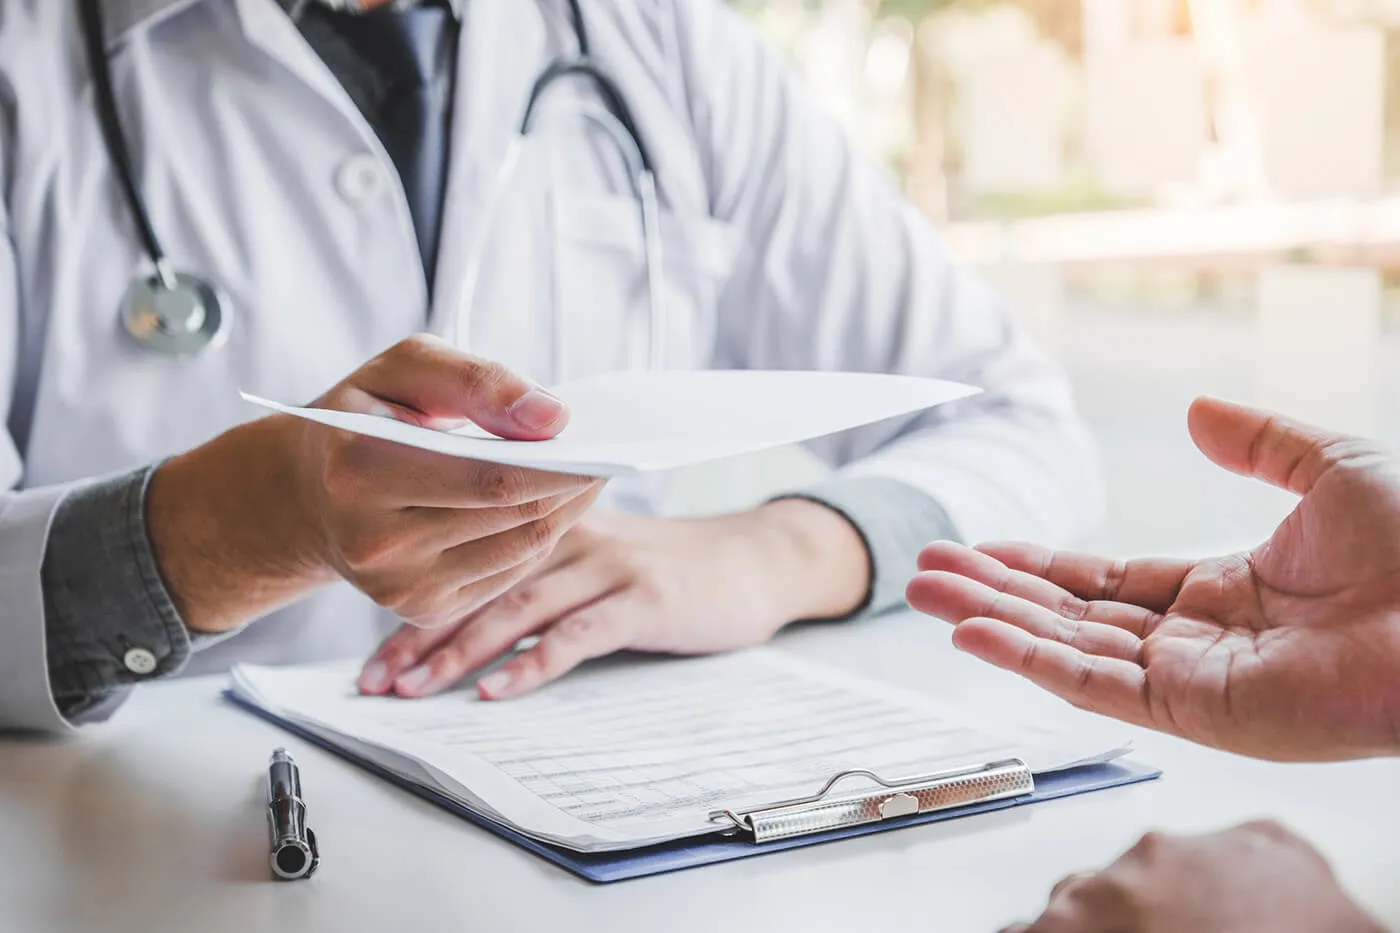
(606, 867)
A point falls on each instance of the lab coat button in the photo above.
(359, 178)
(139, 661)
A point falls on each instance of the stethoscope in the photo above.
(180, 313)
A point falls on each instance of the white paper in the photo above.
(625, 423)
(632, 752)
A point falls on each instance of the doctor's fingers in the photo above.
(612, 623)
(389, 540)
(359, 470)
(429, 376)
(541, 599)
(462, 579)
(378, 678)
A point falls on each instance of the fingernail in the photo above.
(380, 410)
(536, 410)
(374, 678)
(492, 685)
(414, 681)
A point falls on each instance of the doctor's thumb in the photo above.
(537, 411)
(431, 378)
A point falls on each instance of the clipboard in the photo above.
(828, 815)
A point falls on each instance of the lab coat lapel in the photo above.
(268, 27)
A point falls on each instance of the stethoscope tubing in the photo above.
(616, 120)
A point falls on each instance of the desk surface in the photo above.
(154, 822)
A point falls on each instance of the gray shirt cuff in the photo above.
(895, 520)
(108, 621)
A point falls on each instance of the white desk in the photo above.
(155, 823)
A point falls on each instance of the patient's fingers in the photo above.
(1152, 583)
(987, 570)
(1103, 685)
(957, 599)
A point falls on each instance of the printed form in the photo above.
(631, 752)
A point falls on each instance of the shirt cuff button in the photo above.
(139, 661)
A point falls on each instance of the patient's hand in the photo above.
(1254, 877)
(1289, 651)
(627, 582)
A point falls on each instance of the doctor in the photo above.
(203, 196)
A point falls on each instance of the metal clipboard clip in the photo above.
(826, 810)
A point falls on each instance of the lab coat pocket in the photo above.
(601, 282)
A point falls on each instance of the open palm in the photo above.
(1290, 651)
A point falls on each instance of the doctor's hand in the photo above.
(1290, 651)
(428, 536)
(1255, 877)
(627, 582)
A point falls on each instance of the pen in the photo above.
(294, 854)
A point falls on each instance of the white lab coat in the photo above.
(783, 250)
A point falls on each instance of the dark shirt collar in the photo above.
(353, 5)
(122, 16)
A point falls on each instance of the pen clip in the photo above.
(315, 852)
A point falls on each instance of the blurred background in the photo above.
(1177, 196)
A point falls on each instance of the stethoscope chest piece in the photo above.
(178, 314)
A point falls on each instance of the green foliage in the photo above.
(915, 10)
(912, 10)
(1077, 196)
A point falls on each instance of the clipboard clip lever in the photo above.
(829, 809)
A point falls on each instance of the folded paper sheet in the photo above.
(626, 423)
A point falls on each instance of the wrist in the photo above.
(227, 527)
(818, 558)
